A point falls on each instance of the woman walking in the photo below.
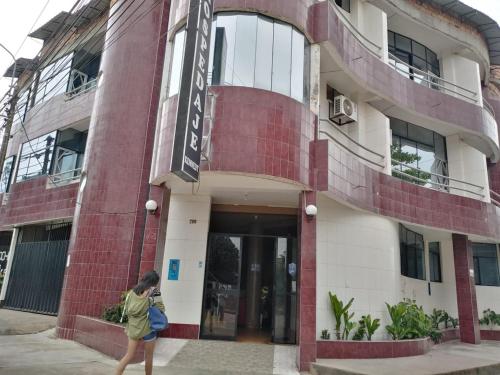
(139, 299)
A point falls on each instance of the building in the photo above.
(380, 114)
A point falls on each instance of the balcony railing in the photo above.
(367, 43)
(371, 157)
(437, 181)
(495, 198)
(79, 84)
(65, 177)
(430, 79)
(489, 108)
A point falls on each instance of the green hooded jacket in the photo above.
(136, 308)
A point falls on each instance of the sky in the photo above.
(17, 19)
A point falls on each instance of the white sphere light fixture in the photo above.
(311, 210)
(151, 206)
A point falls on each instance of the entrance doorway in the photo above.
(250, 291)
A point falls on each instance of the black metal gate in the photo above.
(37, 272)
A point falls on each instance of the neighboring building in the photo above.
(379, 113)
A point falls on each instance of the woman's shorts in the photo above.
(150, 336)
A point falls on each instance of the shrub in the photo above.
(490, 318)
(409, 321)
(114, 313)
(325, 335)
(366, 327)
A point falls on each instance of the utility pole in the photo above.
(11, 111)
(8, 126)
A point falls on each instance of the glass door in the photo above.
(222, 287)
(285, 291)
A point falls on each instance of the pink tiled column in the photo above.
(466, 290)
(307, 284)
(155, 230)
(109, 225)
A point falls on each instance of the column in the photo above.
(10, 259)
(466, 290)
(254, 278)
(110, 218)
(307, 284)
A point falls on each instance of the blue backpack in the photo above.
(157, 319)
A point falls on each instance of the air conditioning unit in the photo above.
(343, 110)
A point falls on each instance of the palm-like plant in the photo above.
(371, 325)
(339, 310)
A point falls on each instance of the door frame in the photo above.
(211, 235)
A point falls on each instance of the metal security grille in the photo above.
(37, 273)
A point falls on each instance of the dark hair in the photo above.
(149, 279)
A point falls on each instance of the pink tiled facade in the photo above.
(307, 285)
(373, 349)
(390, 196)
(106, 245)
(466, 290)
(273, 127)
(31, 201)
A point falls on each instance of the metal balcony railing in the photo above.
(488, 107)
(367, 43)
(437, 181)
(65, 177)
(79, 84)
(495, 198)
(430, 79)
(372, 157)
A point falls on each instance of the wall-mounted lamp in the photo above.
(311, 210)
(151, 206)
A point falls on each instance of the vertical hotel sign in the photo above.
(186, 153)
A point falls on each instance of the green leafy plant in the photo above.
(366, 327)
(348, 325)
(325, 335)
(114, 313)
(399, 156)
(371, 325)
(360, 332)
(339, 310)
(436, 317)
(409, 321)
(490, 318)
(454, 322)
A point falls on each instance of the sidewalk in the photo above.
(42, 353)
(21, 323)
(449, 358)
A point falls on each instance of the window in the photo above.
(414, 54)
(435, 261)
(344, 4)
(485, 264)
(70, 149)
(412, 253)
(84, 71)
(8, 167)
(252, 51)
(36, 157)
(54, 78)
(418, 155)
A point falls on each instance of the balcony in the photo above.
(431, 80)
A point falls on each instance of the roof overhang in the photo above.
(21, 65)
(64, 20)
(488, 27)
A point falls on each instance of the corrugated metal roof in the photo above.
(21, 65)
(488, 27)
(64, 20)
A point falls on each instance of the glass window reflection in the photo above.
(252, 51)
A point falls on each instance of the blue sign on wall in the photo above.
(173, 269)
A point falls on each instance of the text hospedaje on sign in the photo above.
(186, 153)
